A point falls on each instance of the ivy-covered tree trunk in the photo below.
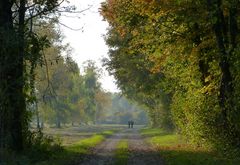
(222, 41)
(12, 98)
(226, 32)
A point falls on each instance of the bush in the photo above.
(42, 147)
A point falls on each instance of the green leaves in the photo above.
(175, 50)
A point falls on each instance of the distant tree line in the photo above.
(121, 110)
(63, 95)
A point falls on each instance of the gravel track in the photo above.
(140, 152)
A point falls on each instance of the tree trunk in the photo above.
(37, 115)
(19, 124)
(6, 28)
(58, 124)
(12, 101)
(226, 45)
(42, 125)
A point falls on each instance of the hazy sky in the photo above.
(88, 43)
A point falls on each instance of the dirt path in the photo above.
(140, 152)
(103, 154)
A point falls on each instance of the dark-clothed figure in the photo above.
(132, 122)
(129, 124)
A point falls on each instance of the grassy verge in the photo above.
(122, 153)
(76, 151)
(175, 151)
(48, 152)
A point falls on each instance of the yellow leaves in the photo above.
(144, 1)
(209, 89)
(103, 98)
(135, 32)
(121, 31)
(208, 79)
(158, 62)
(211, 86)
(81, 104)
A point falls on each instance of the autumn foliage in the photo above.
(180, 59)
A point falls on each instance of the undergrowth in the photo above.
(46, 150)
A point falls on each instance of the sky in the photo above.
(87, 40)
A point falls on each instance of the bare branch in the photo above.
(74, 12)
(45, 11)
(71, 27)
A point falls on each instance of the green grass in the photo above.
(175, 151)
(76, 151)
(76, 143)
(71, 135)
(107, 133)
(122, 153)
(152, 132)
(83, 146)
(160, 138)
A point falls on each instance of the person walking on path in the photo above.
(129, 124)
(132, 122)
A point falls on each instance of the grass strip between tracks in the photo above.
(122, 152)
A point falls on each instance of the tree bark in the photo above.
(37, 115)
(12, 98)
(6, 51)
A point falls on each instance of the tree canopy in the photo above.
(183, 56)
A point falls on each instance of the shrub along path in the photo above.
(138, 152)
